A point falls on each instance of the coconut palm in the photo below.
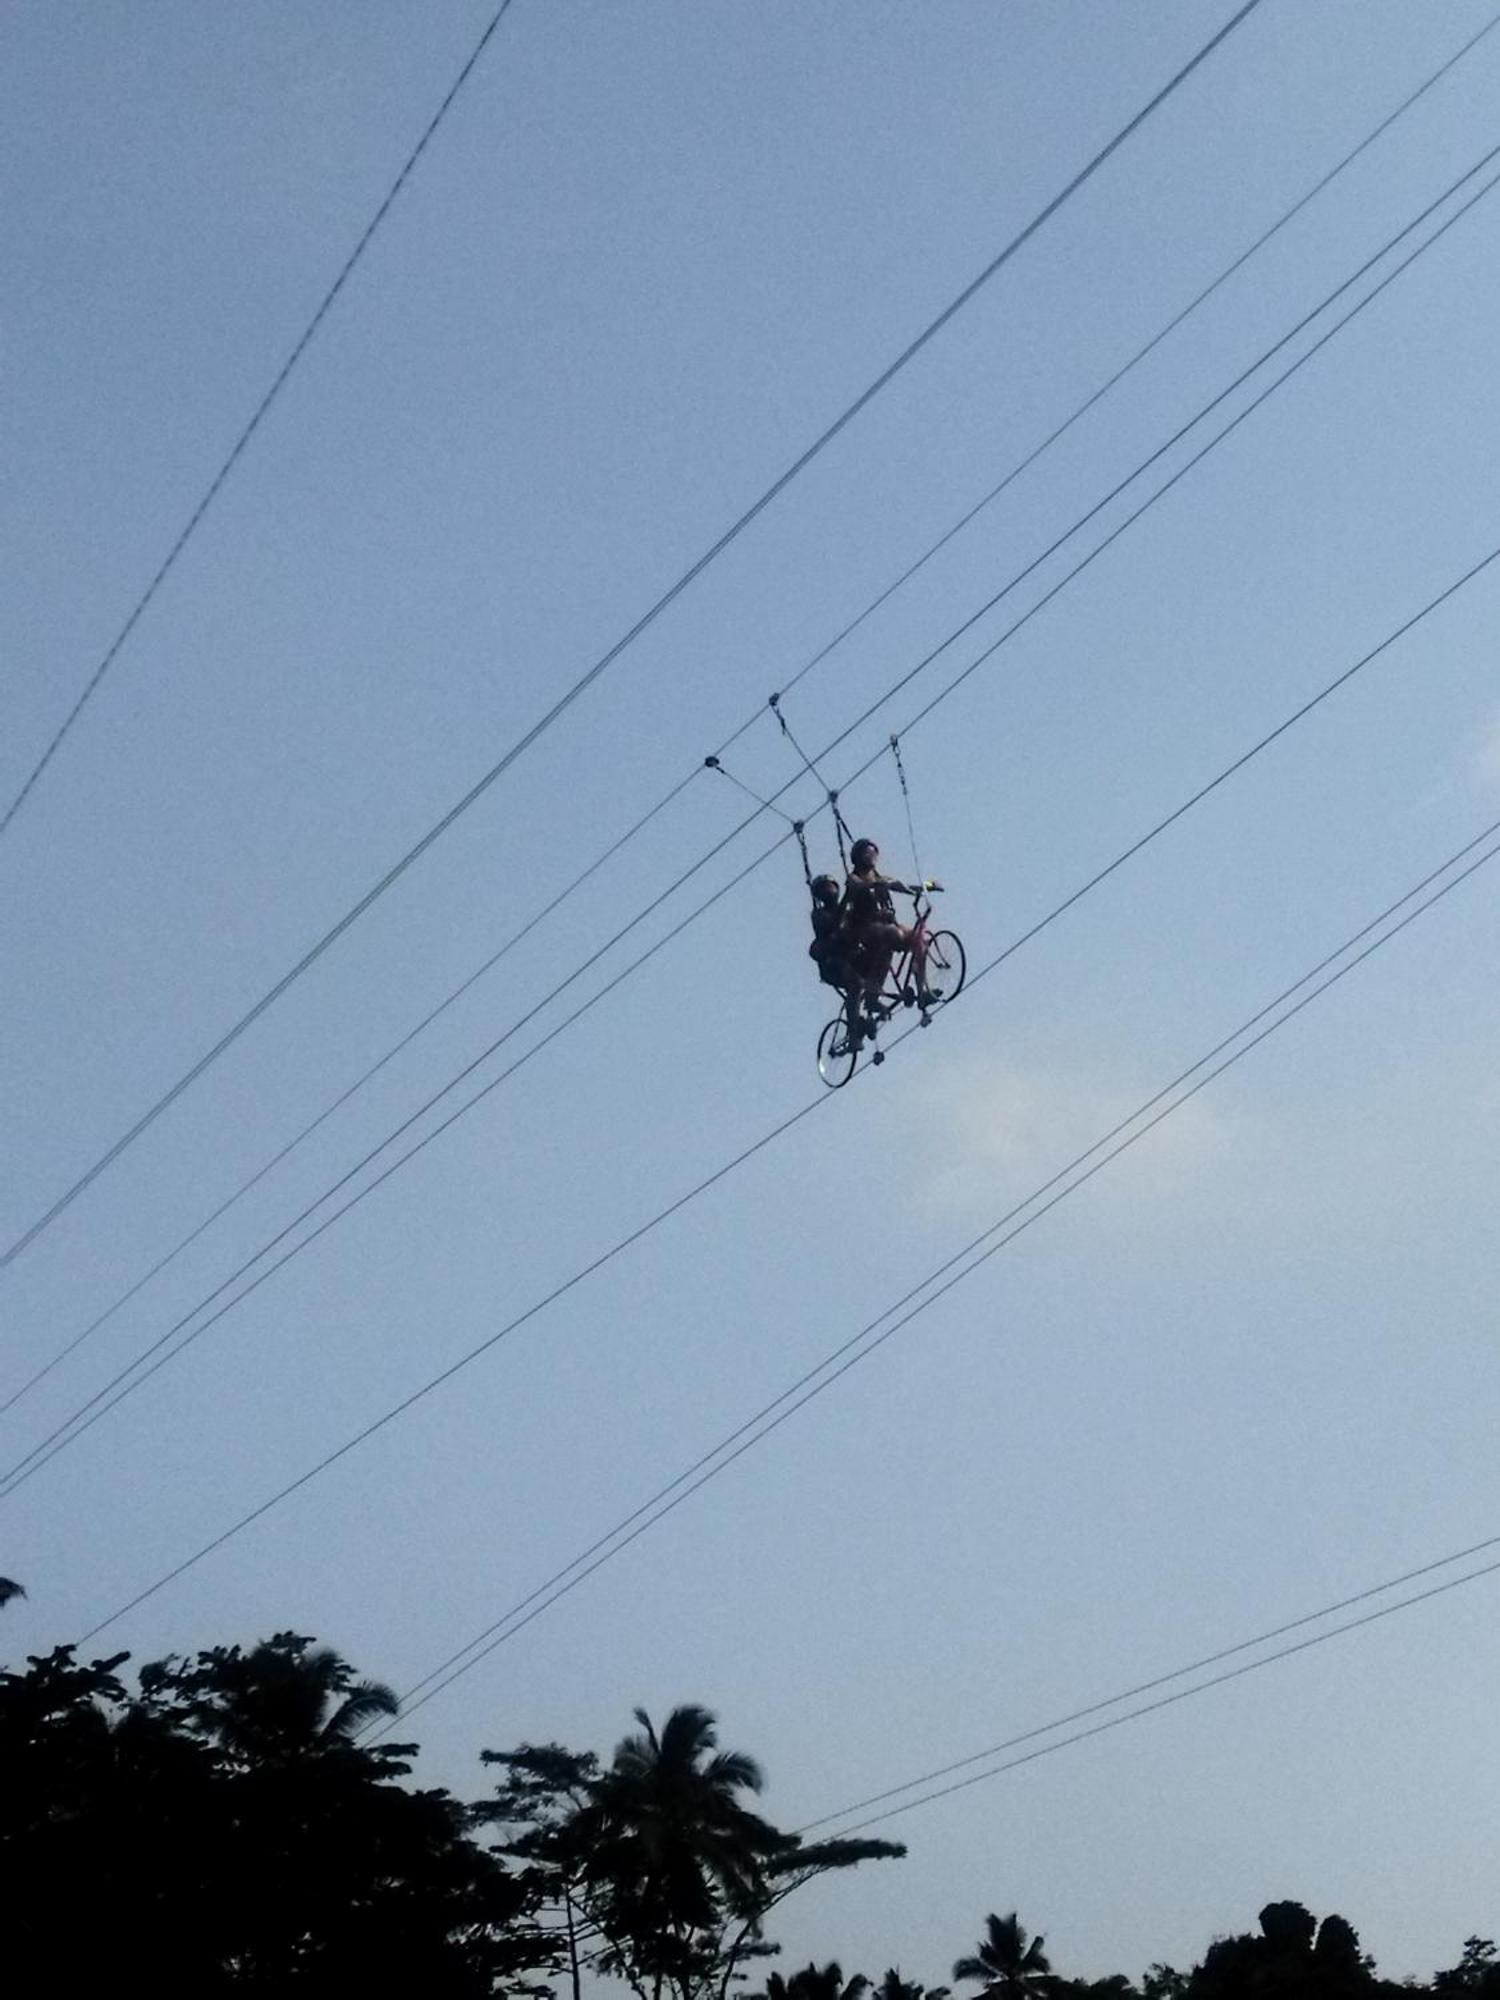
(1009, 1966)
(671, 1849)
(894, 1987)
(817, 1982)
(285, 1698)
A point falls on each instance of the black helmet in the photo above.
(862, 853)
(825, 889)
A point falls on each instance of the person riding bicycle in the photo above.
(876, 936)
(833, 950)
(831, 945)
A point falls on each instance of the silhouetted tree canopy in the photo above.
(239, 1823)
(1008, 1966)
(221, 1829)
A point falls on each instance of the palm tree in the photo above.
(671, 1850)
(894, 1987)
(815, 1982)
(283, 1700)
(1009, 1967)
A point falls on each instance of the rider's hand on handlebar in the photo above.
(932, 886)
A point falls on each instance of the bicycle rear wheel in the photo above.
(946, 966)
(837, 1055)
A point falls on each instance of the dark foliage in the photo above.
(221, 1831)
(232, 1826)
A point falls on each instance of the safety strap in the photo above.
(802, 846)
(906, 800)
(845, 838)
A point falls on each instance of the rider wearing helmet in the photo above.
(870, 917)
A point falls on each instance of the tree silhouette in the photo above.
(283, 1699)
(220, 1831)
(539, 1810)
(229, 1827)
(1008, 1966)
(658, 1852)
(817, 1982)
(1476, 1974)
(671, 1850)
(893, 1987)
(1294, 1958)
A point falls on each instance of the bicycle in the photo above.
(856, 1025)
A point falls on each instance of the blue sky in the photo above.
(1249, 1369)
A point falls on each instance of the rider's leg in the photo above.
(881, 944)
(917, 943)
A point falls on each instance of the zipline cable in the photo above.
(1197, 1666)
(1184, 1694)
(304, 341)
(719, 846)
(713, 761)
(1004, 1230)
(72, 1427)
(586, 680)
(937, 1283)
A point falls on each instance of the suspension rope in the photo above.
(802, 849)
(713, 764)
(906, 801)
(766, 805)
(841, 830)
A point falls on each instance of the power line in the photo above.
(586, 680)
(1004, 1231)
(1162, 1680)
(304, 341)
(1082, 409)
(656, 902)
(817, 658)
(335, 1105)
(1181, 1694)
(71, 1427)
(825, 1373)
(859, 1346)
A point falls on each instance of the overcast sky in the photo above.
(1250, 1368)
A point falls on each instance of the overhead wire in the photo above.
(869, 1338)
(1155, 1707)
(755, 717)
(1016, 1220)
(939, 1283)
(718, 847)
(337, 1103)
(586, 680)
(116, 1390)
(258, 415)
(1197, 1666)
(1183, 1694)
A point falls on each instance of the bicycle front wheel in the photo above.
(946, 966)
(837, 1054)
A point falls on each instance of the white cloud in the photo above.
(992, 1131)
(1487, 757)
